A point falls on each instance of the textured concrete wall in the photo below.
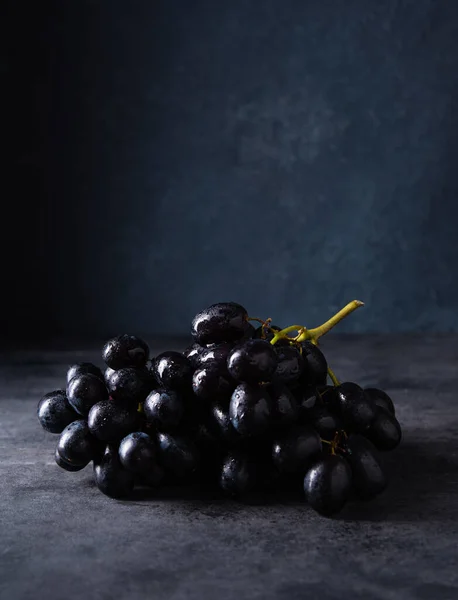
(289, 155)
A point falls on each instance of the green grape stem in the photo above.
(315, 334)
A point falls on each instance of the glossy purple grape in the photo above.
(294, 451)
(165, 409)
(82, 369)
(290, 363)
(369, 479)
(209, 383)
(315, 369)
(216, 357)
(385, 431)
(356, 409)
(252, 361)
(251, 410)
(173, 371)
(381, 399)
(179, 456)
(110, 422)
(285, 410)
(222, 322)
(138, 453)
(76, 445)
(327, 484)
(125, 351)
(84, 391)
(111, 478)
(63, 464)
(192, 353)
(130, 386)
(55, 413)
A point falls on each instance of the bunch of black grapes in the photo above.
(233, 410)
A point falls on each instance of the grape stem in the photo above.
(332, 375)
(315, 334)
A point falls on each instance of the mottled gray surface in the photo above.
(60, 538)
(289, 155)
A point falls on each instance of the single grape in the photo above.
(125, 351)
(178, 456)
(83, 368)
(63, 464)
(290, 363)
(313, 402)
(165, 409)
(294, 451)
(315, 370)
(208, 383)
(84, 391)
(216, 357)
(381, 399)
(354, 406)
(252, 361)
(173, 371)
(239, 475)
(327, 484)
(138, 454)
(221, 423)
(368, 477)
(130, 386)
(110, 422)
(222, 322)
(192, 353)
(55, 413)
(76, 446)
(251, 410)
(385, 431)
(285, 410)
(111, 477)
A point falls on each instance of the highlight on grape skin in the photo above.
(249, 408)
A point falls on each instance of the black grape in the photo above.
(76, 445)
(125, 351)
(84, 391)
(111, 477)
(165, 409)
(221, 423)
(130, 386)
(290, 363)
(107, 374)
(173, 371)
(381, 399)
(209, 383)
(216, 357)
(63, 464)
(327, 484)
(368, 477)
(354, 406)
(385, 431)
(239, 475)
(296, 449)
(315, 370)
(110, 422)
(251, 410)
(285, 410)
(55, 413)
(313, 409)
(192, 353)
(222, 322)
(178, 456)
(138, 453)
(252, 361)
(83, 368)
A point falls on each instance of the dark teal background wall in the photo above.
(289, 155)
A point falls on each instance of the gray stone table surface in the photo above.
(62, 539)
